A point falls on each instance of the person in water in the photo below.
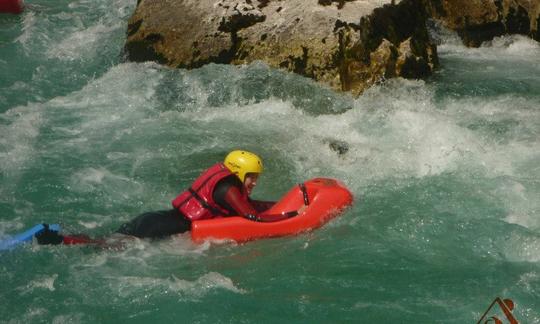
(220, 191)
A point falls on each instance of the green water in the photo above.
(445, 173)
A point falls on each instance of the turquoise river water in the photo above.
(445, 173)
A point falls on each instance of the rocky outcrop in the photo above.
(477, 21)
(345, 44)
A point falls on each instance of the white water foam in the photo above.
(8, 228)
(82, 42)
(41, 282)
(505, 48)
(73, 34)
(32, 314)
(29, 28)
(130, 253)
(138, 289)
(116, 185)
(17, 138)
(104, 104)
(516, 45)
(75, 318)
(520, 198)
(521, 246)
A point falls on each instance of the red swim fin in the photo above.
(79, 239)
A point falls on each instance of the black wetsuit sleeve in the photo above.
(262, 206)
(221, 191)
(228, 194)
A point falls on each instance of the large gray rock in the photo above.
(477, 21)
(347, 45)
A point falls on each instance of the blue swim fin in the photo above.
(27, 235)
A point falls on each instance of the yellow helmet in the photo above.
(243, 162)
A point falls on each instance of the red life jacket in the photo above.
(197, 202)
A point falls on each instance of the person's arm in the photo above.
(261, 206)
(244, 208)
(235, 199)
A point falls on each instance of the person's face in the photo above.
(250, 182)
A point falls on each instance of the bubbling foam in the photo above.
(17, 138)
(139, 288)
